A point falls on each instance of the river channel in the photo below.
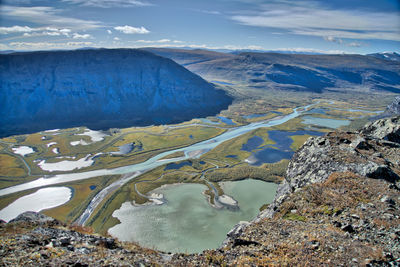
(192, 151)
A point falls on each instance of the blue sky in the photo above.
(336, 26)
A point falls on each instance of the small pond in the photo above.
(45, 198)
(252, 143)
(177, 166)
(324, 122)
(316, 111)
(226, 120)
(276, 152)
(187, 223)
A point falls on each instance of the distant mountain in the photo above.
(315, 73)
(100, 89)
(240, 51)
(7, 51)
(187, 57)
(387, 56)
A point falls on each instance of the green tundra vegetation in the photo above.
(212, 167)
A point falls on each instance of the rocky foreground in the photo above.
(339, 205)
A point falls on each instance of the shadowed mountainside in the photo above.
(315, 73)
(100, 89)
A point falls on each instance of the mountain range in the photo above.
(312, 73)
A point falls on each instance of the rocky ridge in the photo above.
(339, 206)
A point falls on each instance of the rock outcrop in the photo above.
(349, 181)
(374, 152)
(33, 217)
(394, 108)
(100, 89)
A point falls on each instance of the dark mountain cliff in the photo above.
(313, 73)
(100, 88)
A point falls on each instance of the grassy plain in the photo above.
(10, 166)
(83, 192)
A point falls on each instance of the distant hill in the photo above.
(387, 55)
(100, 89)
(315, 73)
(187, 57)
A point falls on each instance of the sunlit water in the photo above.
(45, 198)
(191, 151)
(324, 122)
(187, 223)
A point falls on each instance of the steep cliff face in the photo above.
(99, 89)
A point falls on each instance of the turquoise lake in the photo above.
(187, 223)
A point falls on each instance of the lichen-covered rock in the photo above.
(394, 108)
(386, 129)
(33, 217)
(373, 152)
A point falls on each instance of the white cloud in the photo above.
(195, 46)
(79, 43)
(354, 44)
(109, 31)
(109, 3)
(47, 45)
(33, 32)
(47, 15)
(132, 30)
(211, 12)
(4, 47)
(333, 39)
(153, 42)
(34, 46)
(117, 39)
(81, 36)
(15, 29)
(308, 50)
(65, 31)
(315, 19)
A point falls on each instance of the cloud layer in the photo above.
(49, 15)
(109, 3)
(314, 19)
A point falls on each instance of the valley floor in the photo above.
(347, 215)
(28, 157)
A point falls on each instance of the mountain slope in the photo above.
(314, 73)
(387, 56)
(99, 88)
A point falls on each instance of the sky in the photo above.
(335, 26)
